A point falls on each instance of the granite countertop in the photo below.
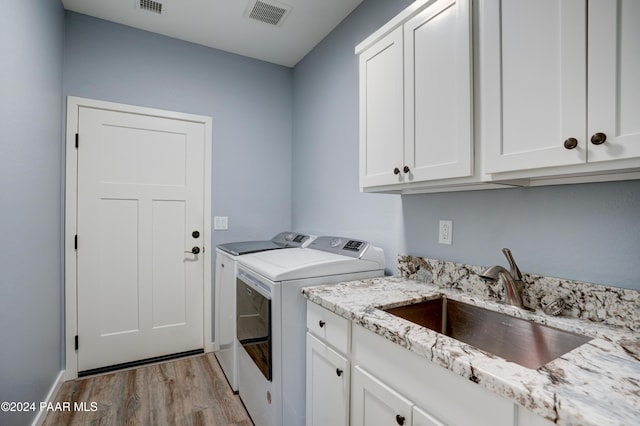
(597, 383)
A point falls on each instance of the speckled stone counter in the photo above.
(596, 384)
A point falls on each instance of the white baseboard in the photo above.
(51, 396)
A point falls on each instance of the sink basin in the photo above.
(521, 341)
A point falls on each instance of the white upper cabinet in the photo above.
(416, 96)
(438, 108)
(533, 83)
(614, 79)
(560, 83)
(381, 112)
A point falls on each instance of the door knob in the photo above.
(571, 143)
(194, 250)
(195, 234)
(598, 138)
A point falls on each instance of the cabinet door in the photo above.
(375, 404)
(614, 78)
(327, 385)
(438, 97)
(422, 418)
(381, 114)
(533, 79)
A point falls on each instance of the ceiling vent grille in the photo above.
(151, 6)
(272, 13)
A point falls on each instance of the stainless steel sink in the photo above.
(521, 341)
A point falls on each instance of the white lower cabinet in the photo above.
(376, 404)
(356, 377)
(422, 418)
(446, 397)
(327, 385)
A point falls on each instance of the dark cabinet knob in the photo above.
(396, 171)
(598, 138)
(321, 323)
(571, 143)
(406, 169)
(338, 372)
(399, 419)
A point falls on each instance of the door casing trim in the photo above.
(70, 265)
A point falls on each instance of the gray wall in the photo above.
(31, 43)
(249, 100)
(587, 232)
(584, 232)
(326, 199)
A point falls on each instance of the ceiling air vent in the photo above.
(269, 12)
(151, 6)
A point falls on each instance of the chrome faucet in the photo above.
(512, 280)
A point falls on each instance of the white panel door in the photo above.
(140, 198)
(381, 112)
(533, 63)
(614, 79)
(438, 96)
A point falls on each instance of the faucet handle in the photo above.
(515, 271)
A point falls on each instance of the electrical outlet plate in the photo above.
(445, 235)
(220, 223)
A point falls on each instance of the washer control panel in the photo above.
(340, 245)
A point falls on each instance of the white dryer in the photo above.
(271, 319)
(225, 293)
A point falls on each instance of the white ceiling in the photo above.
(222, 24)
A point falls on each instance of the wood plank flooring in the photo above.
(190, 391)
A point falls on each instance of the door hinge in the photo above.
(76, 341)
(77, 139)
(75, 242)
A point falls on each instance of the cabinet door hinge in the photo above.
(76, 341)
(77, 139)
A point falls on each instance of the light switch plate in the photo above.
(445, 236)
(220, 223)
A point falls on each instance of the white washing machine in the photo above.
(225, 293)
(271, 319)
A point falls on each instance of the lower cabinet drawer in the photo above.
(329, 327)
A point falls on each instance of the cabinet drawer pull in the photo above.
(571, 143)
(396, 171)
(399, 419)
(338, 372)
(598, 138)
(321, 323)
(406, 169)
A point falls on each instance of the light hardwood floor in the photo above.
(188, 391)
